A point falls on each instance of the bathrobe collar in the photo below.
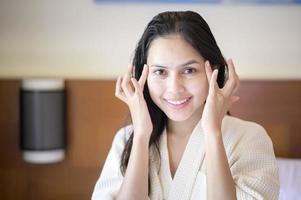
(181, 186)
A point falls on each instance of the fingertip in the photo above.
(145, 67)
(230, 60)
(207, 63)
(145, 70)
(215, 74)
(208, 68)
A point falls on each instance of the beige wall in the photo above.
(82, 39)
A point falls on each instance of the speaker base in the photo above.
(44, 157)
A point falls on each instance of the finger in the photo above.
(143, 76)
(237, 84)
(230, 61)
(125, 85)
(208, 70)
(233, 99)
(136, 86)
(231, 68)
(232, 83)
(213, 79)
(133, 72)
(118, 91)
(236, 78)
(117, 86)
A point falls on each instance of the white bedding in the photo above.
(290, 178)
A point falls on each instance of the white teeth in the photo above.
(177, 102)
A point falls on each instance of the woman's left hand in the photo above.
(218, 100)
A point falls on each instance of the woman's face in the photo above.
(177, 80)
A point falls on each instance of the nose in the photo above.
(174, 84)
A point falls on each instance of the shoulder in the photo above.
(251, 158)
(238, 129)
(121, 137)
(124, 133)
(230, 122)
(108, 184)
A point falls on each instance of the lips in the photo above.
(178, 103)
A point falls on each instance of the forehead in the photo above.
(171, 50)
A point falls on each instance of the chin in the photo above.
(177, 117)
(184, 115)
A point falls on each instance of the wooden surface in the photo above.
(276, 105)
(94, 115)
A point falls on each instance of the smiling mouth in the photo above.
(178, 103)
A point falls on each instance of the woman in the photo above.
(181, 144)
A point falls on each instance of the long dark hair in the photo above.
(193, 29)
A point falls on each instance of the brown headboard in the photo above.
(276, 105)
(94, 115)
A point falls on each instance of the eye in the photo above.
(160, 72)
(189, 70)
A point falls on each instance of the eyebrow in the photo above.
(182, 65)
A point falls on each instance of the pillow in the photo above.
(290, 178)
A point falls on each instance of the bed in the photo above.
(290, 178)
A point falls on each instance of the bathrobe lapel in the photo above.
(156, 185)
(179, 188)
(186, 174)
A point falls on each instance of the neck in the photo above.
(184, 128)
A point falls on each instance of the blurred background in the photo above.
(96, 39)
(89, 43)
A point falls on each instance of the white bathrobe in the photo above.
(250, 155)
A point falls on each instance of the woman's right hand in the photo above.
(133, 97)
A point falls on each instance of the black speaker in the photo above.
(42, 120)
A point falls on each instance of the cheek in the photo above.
(155, 88)
(199, 88)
